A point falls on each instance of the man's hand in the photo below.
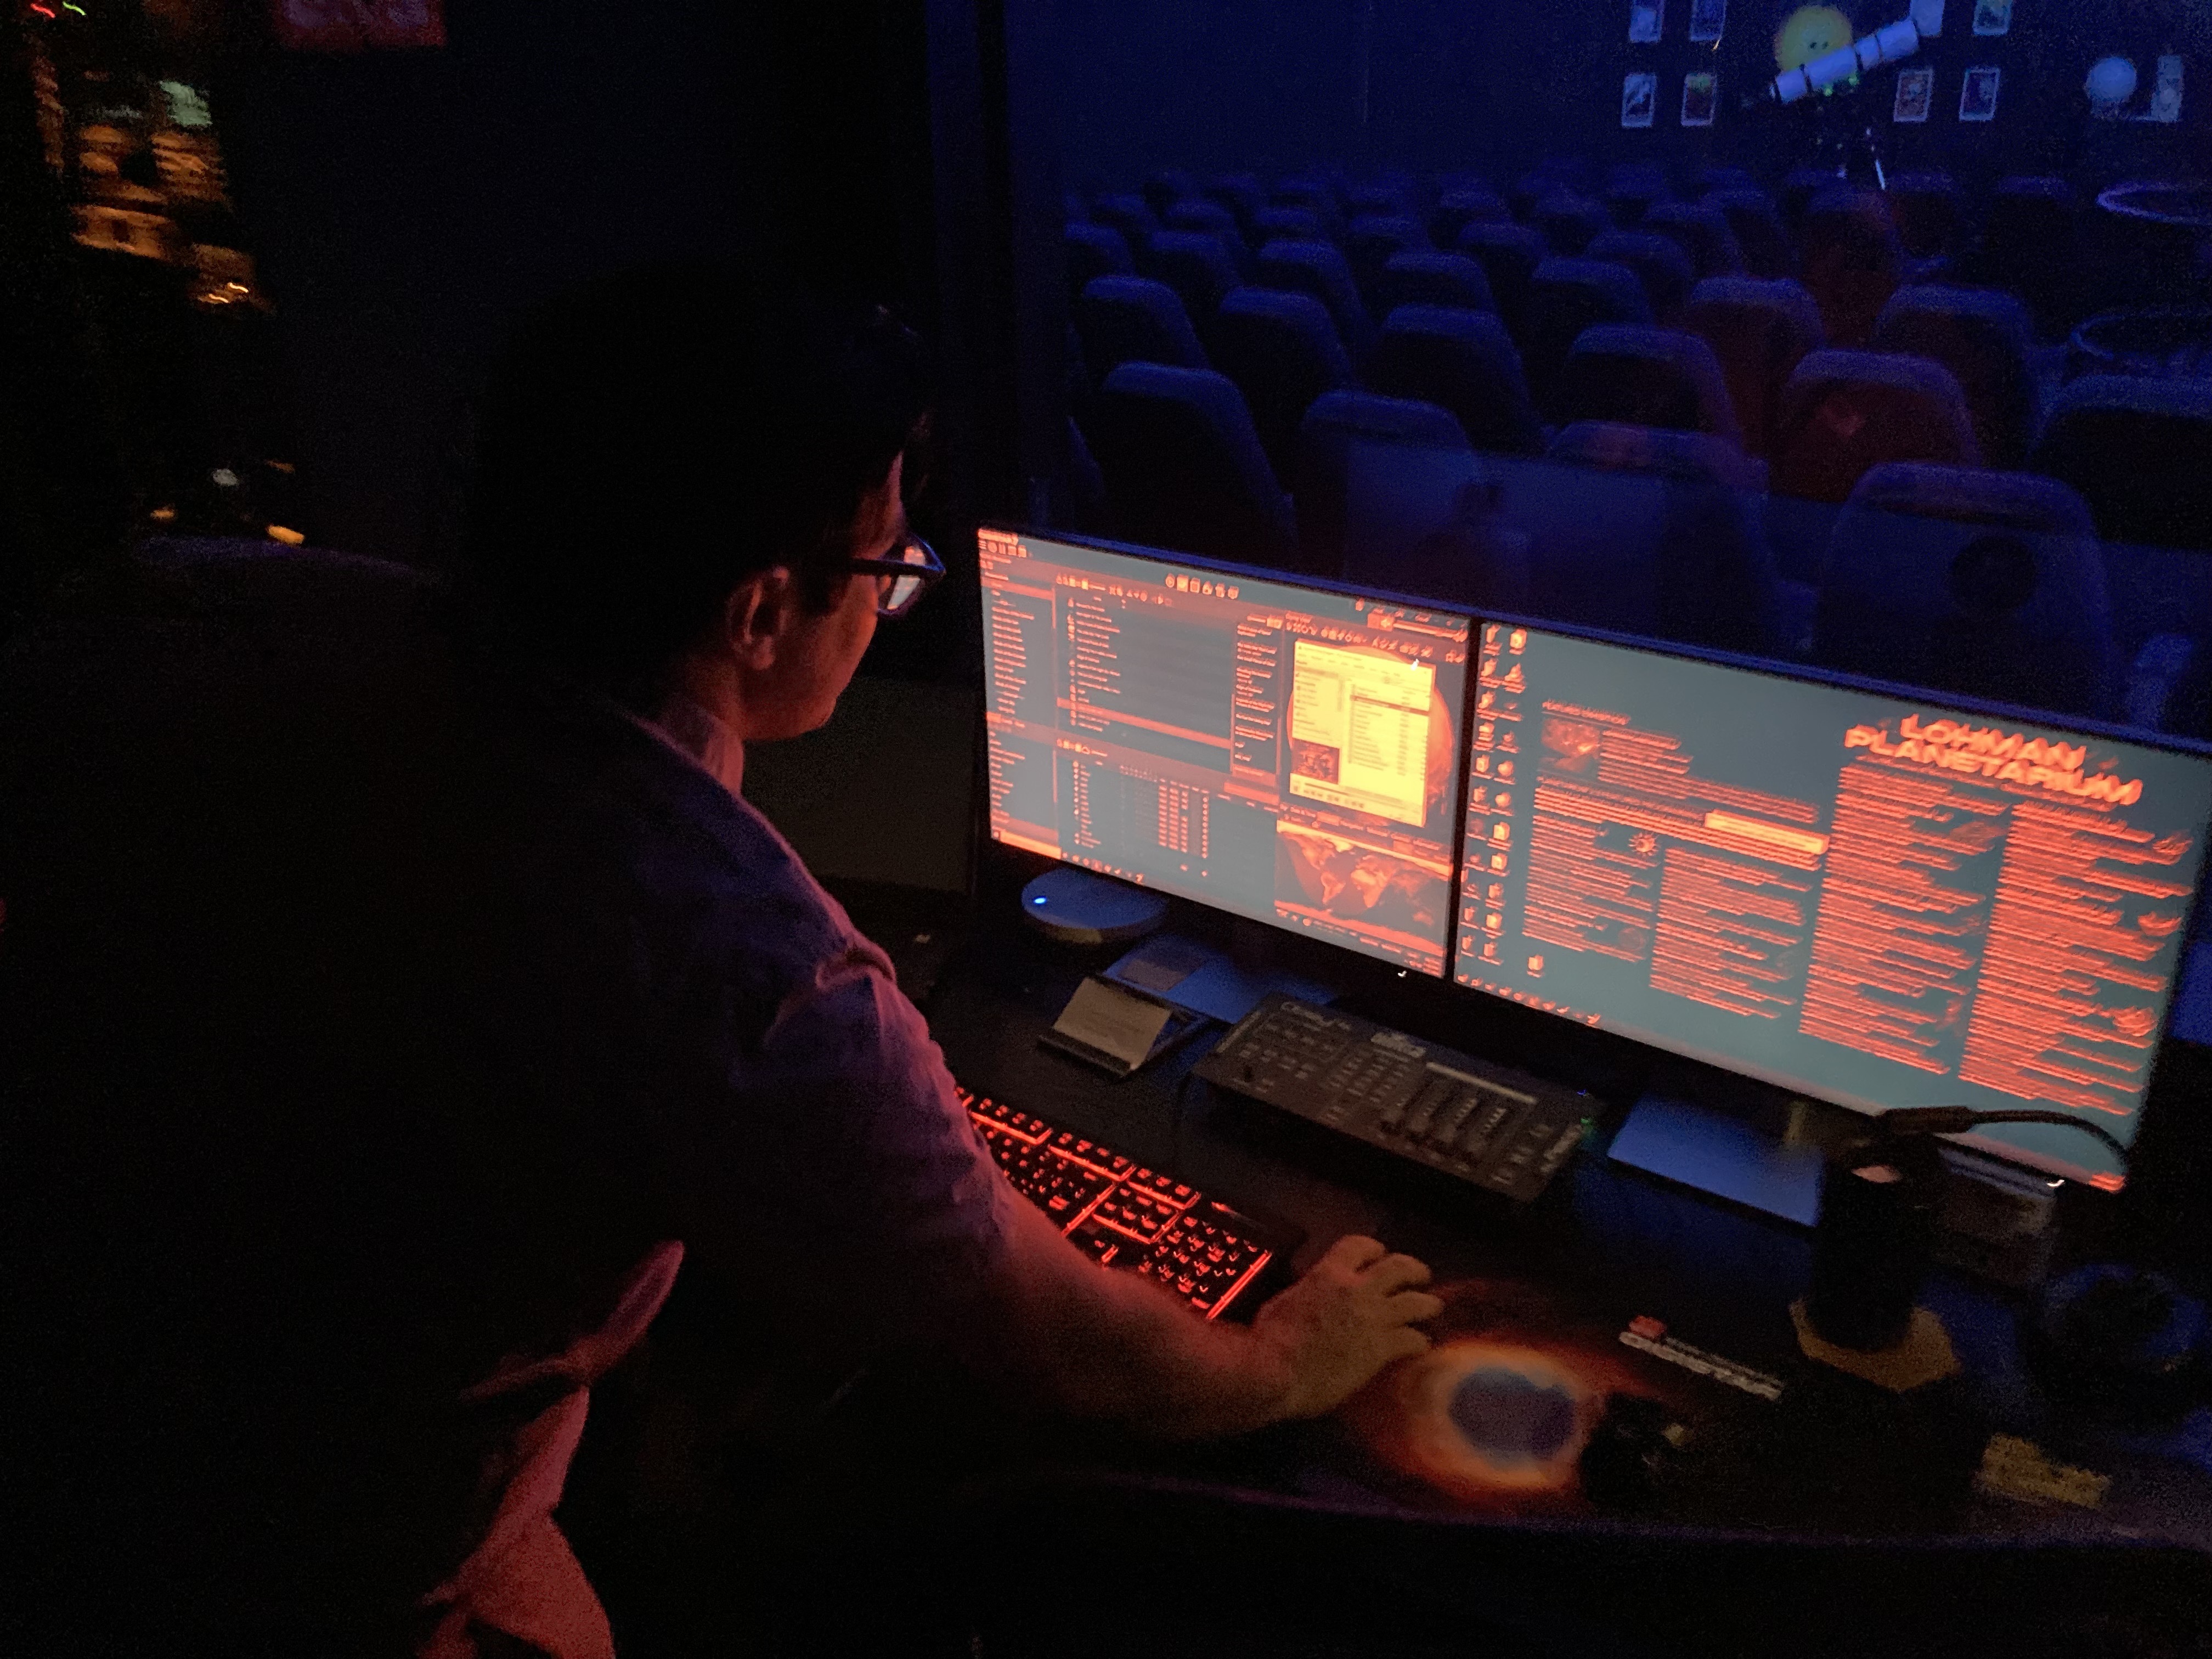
(1117, 1347)
(1351, 1315)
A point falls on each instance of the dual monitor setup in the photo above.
(1863, 895)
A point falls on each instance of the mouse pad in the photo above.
(1527, 1405)
(1542, 1401)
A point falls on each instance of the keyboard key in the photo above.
(1123, 1215)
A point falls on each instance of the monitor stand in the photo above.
(1757, 1155)
(1220, 985)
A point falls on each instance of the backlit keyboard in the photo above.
(1126, 1217)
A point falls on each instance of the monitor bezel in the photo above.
(1319, 583)
(1807, 673)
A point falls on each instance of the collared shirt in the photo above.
(704, 739)
(383, 1030)
(821, 1164)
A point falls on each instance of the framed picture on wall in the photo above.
(1915, 95)
(1699, 95)
(1639, 97)
(2165, 92)
(1647, 20)
(1707, 19)
(1993, 16)
(1977, 96)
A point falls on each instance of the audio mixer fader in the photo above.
(1497, 1129)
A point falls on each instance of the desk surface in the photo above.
(1831, 1456)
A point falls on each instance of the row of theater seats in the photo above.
(1733, 363)
(1361, 365)
(2031, 235)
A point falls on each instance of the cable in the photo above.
(1952, 1120)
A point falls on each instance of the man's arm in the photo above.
(1113, 1346)
(845, 1137)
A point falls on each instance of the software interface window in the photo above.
(1281, 752)
(1879, 902)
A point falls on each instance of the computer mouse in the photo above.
(2119, 1344)
(1631, 1452)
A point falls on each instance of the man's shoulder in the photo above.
(697, 856)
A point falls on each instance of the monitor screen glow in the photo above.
(1283, 752)
(1872, 901)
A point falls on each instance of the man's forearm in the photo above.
(1115, 1347)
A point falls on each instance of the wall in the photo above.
(1271, 85)
(1228, 83)
(407, 207)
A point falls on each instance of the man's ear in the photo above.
(756, 616)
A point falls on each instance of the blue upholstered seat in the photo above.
(1184, 468)
(1462, 361)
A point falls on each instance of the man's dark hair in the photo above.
(649, 440)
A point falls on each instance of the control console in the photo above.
(1494, 1128)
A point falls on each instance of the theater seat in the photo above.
(1167, 187)
(1123, 320)
(1646, 377)
(1184, 468)
(1752, 218)
(1095, 251)
(2029, 243)
(1432, 279)
(1284, 224)
(1314, 195)
(1370, 243)
(1211, 219)
(2140, 451)
(1549, 177)
(1846, 412)
(1798, 190)
(1464, 361)
(1659, 264)
(1565, 297)
(1201, 213)
(1385, 199)
(1988, 584)
(1509, 255)
(1983, 337)
(1130, 215)
(1648, 532)
(1318, 268)
(1568, 222)
(1657, 452)
(1632, 190)
(1853, 261)
(1198, 265)
(1929, 208)
(1399, 449)
(1242, 193)
(1704, 233)
(1282, 351)
(1458, 208)
(1759, 331)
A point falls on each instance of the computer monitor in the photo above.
(1864, 896)
(1283, 751)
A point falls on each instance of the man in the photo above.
(496, 1001)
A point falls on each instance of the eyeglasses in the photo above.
(903, 576)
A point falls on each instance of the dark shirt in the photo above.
(373, 1022)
